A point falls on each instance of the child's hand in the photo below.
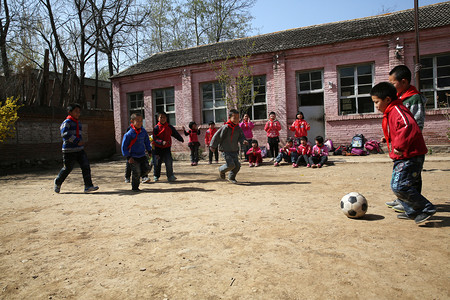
(212, 149)
(245, 142)
(199, 127)
(398, 152)
(383, 140)
(164, 142)
(131, 160)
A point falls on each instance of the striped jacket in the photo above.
(69, 136)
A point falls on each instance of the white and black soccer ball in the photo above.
(354, 205)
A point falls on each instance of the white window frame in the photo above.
(214, 108)
(171, 114)
(434, 90)
(253, 95)
(310, 91)
(355, 95)
(132, 97)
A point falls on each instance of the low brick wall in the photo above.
(38, 137)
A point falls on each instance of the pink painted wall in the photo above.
(280, 70)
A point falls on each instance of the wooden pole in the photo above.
(417, 65)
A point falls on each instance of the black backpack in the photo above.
(358, 141)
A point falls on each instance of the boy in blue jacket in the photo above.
(134, 144)
(73, 150)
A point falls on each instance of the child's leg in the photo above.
(279, 158)
(135, 173)
(294, 157)
(251, 158)
(258, 158)
(216, 153)
(313, 160)
(323, 159)
(127, 170)
(192, 153)
(158, 162)
(210, 154)
(247, 147)
(229, 162)
(69, 160)
(85, 168)
(306, 158)
(405, 185)
(168, 161)
(237, 167)
(196, 153)
(145, 167)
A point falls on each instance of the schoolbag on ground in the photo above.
(341, 150)
(329, 144)
(373, 146)
(358, 141)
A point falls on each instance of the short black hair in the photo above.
(232, 112)
(135, 115)
(272, 113)
(289, 140)
(211, 122)
(191, 124)
(303, 138)
(383, 90)
(162, 113)
(72, 106)
(319, 139)
(300, 113)
(401, 72)
(255, 142)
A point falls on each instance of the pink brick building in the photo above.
(326, 71)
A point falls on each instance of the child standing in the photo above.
(319, 153)
(300, 127)
(247, 127)
(273, 128)
(145, 178)
(227, 138)
(208, 136)
(254, 155)
(304, 152)
(134, 144)
(193, 144)
(407, 149)
(73, 150)
(162, 136)
(288, 153)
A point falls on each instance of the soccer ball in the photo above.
(354, 205)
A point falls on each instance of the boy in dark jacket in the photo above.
(134, 144)
(73, 150)
(407, 149)
(162, 137)
(227, 138)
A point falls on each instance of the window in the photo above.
(136, 103)
(435, 81)
(310, 88)
(355, 83)
(258, 111)
(164, 100)
(214, 106)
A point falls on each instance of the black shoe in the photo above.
(221, 175)
(404, 216)
(422, 217)
(136, 190)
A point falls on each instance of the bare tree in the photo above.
(5, 21)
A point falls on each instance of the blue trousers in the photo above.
(406, 183)
(232, 164)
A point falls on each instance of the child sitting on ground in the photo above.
(134, 144)
(319, 153)
(288, 153)
(303, 152)
(193, 144)
(208, 136)
(300, 127)
(254, 155)
(247, 127)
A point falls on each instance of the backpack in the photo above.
(358, 141)
(359, 151)
(329, 144)
(263, 151)
(373, 146)
(340, 150)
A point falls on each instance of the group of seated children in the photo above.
(303, 155)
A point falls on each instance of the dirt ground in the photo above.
(278, 234)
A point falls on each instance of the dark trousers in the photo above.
(303, 159)
(406, 183)
(273, 146)
(69, 160)
(255, 158)
(139, 168)
(247, 147)
(314, 160)
(215, 153)
(194, 152)
(128, 168)
(163, 155)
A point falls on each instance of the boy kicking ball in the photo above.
(407, 149)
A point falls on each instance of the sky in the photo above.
(275, 15)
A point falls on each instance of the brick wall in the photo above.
(38, 136)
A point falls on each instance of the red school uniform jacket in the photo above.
(272, 128)
(209, 135)
(402, 132)
(300, 127)
(304, 150)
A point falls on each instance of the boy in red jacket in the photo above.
(407, 149)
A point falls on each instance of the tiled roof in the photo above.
(430, 16)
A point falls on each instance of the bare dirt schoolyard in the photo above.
(278, 234)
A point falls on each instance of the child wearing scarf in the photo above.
(247, 127)
(227, 138)
(407, 149)
(73, 150)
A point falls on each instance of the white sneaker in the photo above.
(145, 179)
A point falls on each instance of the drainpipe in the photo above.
(417, 66)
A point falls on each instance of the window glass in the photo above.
(165, 102)
(435, 80)
(355, 85)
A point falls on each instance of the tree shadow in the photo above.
(128, 192)
(271, 183)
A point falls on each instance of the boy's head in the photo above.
(233, 115)
(319, 140)
(192, 124)
(211, 124)
(289, 141)
(303, 140)
(272, 115)
(254, 143)
(136, 120)
(162, 117)
(74, 110)
(300, 115)
(382, 94)
(400, 77)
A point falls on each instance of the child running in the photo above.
(407, 149)
(247, 127)
(193, 144)
(254, 155)
(73, 150)
(303, 152)
(227, 138)
(162, 136)
(208, 136)
(288, 153)
(273, 128)
(134, 144)
(300, 127)
(319, 153)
